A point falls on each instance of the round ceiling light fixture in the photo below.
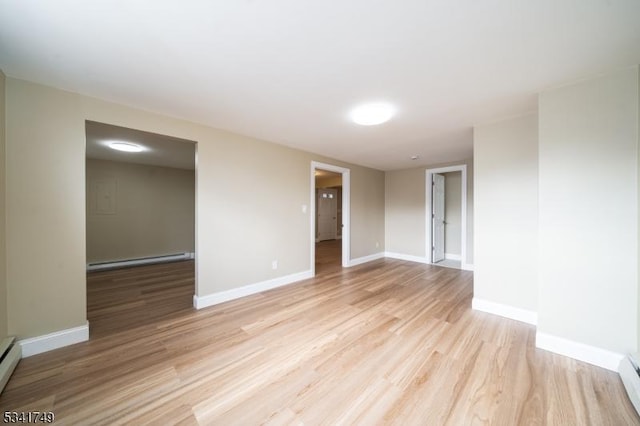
(372, 113)
(125, 146)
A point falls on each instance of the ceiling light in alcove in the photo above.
(125, 146)
(372, 114)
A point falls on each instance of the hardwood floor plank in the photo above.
(387, 342)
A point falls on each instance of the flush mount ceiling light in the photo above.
(415, 157)
(372, 114)
(125, 146)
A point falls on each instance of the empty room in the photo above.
(349, 212)
(140, 212)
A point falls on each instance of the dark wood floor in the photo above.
(121, 299)
(328, 256)
(385, 342)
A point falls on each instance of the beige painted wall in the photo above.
(249, 193)
(452, 212)
(153, 212)
(405, 230)
(367, 195)
(506, 212)
(405, 216)
(588, 286)
(3, 258)
(45, 210)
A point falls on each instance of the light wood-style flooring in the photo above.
(387, 342)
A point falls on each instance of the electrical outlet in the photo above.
(377, 244)
(274, 264)
(304, 208)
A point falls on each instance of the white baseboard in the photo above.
(55, 340)
(200, 302)
(101, 266)
(580, 351)
(511, 312)
(365, 259)
(467, 266)
(631, 381)
(420, 259)
(408, 257)
(452, 256)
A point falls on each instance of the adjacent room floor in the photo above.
(328, 256)
(122, 299)
(389, 341)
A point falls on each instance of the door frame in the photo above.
(462, 168)
(346, 212)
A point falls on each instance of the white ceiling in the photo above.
(159, 150)
(288, 71)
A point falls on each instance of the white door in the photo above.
(438, 218)
(327, 208)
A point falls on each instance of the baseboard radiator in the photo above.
(10, 353)
(630, 375)
(115, 264)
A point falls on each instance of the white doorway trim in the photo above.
(346, 212)
(462, 168)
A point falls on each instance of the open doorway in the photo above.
(446, 216)
(330, 227)
(328, 220)
(140, 227)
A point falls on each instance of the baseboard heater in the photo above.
(10, 353)
(630, 374)
(115, 264)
